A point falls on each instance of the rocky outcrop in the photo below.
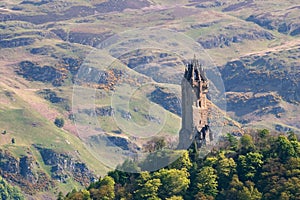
(238, 6)
(261, 85)
(103, 79)
(269, 75)
(51, 96)
(45, 50)
(243, 104)
(223, 40)
(209, 4)
(284, 22)
(91, 39)
(73, 11)
(115, 141)
(155, 64)
(64, 166)
(119, 6)
(167, 100)
(17, 42)
(72, 64)
(24, 172)
(27, 169)
(35, 72)
(283, 129)
(106, 111)
(36, 3)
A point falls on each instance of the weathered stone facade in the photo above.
(195, 125)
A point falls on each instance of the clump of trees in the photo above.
(9, 192)
(257, 166)
(59, 122)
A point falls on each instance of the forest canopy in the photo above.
(259, 165)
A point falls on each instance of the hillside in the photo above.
(80, 60)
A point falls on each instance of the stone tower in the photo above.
(195, 126)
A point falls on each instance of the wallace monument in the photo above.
(195, 123)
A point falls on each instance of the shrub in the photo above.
(59, 122)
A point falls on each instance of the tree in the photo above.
(263, 133)
(104, 190)
(9, 192)
(120, 177)
(183, 161)
(207, 181)
(249, 165)
(59, 122)
(129, 166)
(249, 192)
(284, 148)
(237, 190)
(201, 196)
(157, 143)
(233, 142)
(175, 198)
(225, 167)
(80, 195)
(247, 144)
(232, 192)
(149, 190)
(174, 182)
(60, 196)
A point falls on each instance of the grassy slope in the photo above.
(44, 133)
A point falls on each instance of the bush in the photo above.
(59, 122)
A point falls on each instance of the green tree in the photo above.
(175, 198)
(207, 181)
(9, 192)
(263, 133)
(59, 122)
(129, 166)
(183, 161)
(174, 182)
(233, 141)
(249, 165)
(232, 192)
(201, 196)
(157, 143)
(237, 191)
(149, 190)
(80, 195)
(104, 190)
(60, 196)
(249, 192)
(284, 148)
(247, 143)
(225, 167)
(292, 136)
(120, 177)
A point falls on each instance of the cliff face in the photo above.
(24, 172)
(27, 173)
(64, 167)
(264, 87)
